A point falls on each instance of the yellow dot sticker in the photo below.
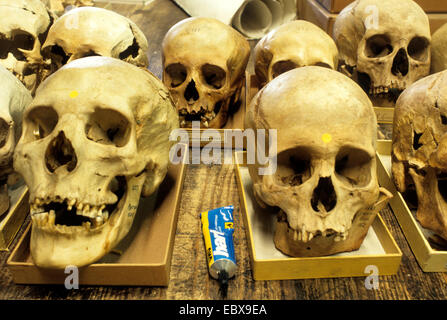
(74, 94)
(326, 138)
(228, 225)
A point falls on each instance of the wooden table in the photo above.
(208, 187)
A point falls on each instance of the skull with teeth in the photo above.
(204, 63)
(384, 45)
(89, 31)
(23, 28)
(325, 181)
(419, 152)
(295, 44)
(14, 97)
(87, 154)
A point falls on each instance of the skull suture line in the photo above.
(295, 44)
(419, 152)
(326, 167)
(23, 28)
(86, 153)
(384, 45)
(89, 31)
(204, 62)
(14, 97)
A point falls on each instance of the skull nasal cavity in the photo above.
(400, 63)
(324, 198)
(60, 153)
(191, 92)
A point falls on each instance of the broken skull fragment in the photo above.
(90, 31)
(419, 149)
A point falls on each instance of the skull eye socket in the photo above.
(417, 49)
(24, 41)
(4, 132)
(293, 167)
(21, 40)
(41, 121)
(378, 46)
(176, 73)
(213, 75)
(109, 127)
(57, 55)
(353, 166)
(282, 66)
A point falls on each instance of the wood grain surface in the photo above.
(211, 186)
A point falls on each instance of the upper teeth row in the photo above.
(83, 209)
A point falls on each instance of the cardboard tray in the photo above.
(335, 6)
(314, 12)
(11, 221)
(235, 122)
(378, 249)
(429, 259)
(384, 114)
(146, 250)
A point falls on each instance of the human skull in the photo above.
(439, 50)
(14, 97)
(419, 151)
(204, 62)
(23, 28)
(90, 31)
(384, 45)
(325, 183)
(294, 44)
(86, 153)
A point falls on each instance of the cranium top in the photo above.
(334, 98)
(88, 31)
(294, 44)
